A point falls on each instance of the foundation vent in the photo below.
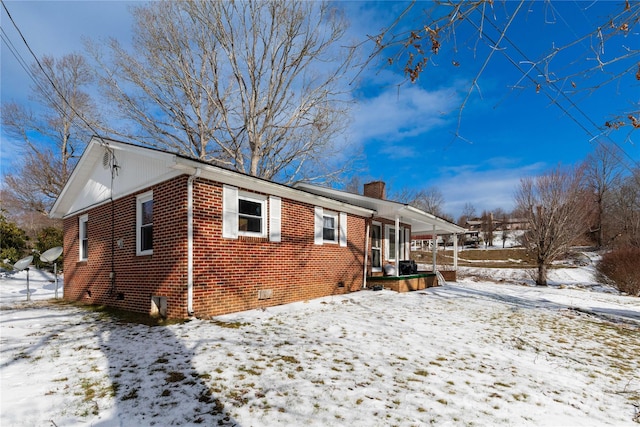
(265, 293)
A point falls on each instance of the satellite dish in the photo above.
(23, 263)
(51, 255)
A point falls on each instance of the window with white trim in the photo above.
(330, 227)
(245, 214)
(252, 219)
(83, 237)
(144, 224)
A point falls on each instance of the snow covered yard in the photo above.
(470, 353)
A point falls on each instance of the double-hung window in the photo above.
(83, 237)
(245, 214)
(251, 216)
(329, 228)
(144, 224)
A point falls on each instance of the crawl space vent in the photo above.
(265, 293)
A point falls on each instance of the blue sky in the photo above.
(407, 132)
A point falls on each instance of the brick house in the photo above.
(151, 231)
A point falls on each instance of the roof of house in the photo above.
(95, 180)
(421, 222)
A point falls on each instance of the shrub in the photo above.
(622, 268)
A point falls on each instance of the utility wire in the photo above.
(558, 90)
(55, 87)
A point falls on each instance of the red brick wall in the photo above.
(137, 278)
(227, 272)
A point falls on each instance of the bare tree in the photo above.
(430, 200)
(506, 232)
(554, 208)
(254, 86)
(602, 175)
(51, 139)
(487, 228)
(597, 56)
(468, 212)
(625, 212)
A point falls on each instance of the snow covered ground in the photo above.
(488, 350)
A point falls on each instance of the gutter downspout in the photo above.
(195, 175)
(366, 257)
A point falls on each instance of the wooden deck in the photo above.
(413, 282)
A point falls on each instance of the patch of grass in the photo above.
(124, 316)
(175, 377)
(289, 359)
(133, 394)
(251, 371)
(228, 325)
(421, 372)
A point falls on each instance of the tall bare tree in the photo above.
(625, 212)
(51, 139)
(554, 206)
(254, 86)
(430, 200)
(602, 175)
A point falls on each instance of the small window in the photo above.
(251, 216)
(329, 228)
(83, 237)
(144, 226)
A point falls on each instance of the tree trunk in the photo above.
(542, 274)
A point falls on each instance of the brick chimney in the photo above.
(375, 189)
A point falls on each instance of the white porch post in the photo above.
(455, 251)
(366, 257)
(435, 248)
(397, 238)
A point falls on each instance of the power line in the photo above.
(558, 90)
(55, 87)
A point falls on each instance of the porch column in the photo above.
(397, 238)
(434, 251)
(455, 251)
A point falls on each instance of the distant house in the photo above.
(151, 231)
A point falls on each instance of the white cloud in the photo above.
(486, 186)
(401, 112)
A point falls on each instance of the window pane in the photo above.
(329, 222)
(375, 258)
(329, 228)
(246, 223)
(147, 212)
(85, 249)
(146, 238)
(375, 236)
(392, 243)
(329, 234)
(248, 207)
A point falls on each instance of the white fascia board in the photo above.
(389, 209)
(240, 180)
(442, 226)
(90, 155)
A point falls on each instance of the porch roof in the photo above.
(420, 221)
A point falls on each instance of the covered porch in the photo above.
(398, 216)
